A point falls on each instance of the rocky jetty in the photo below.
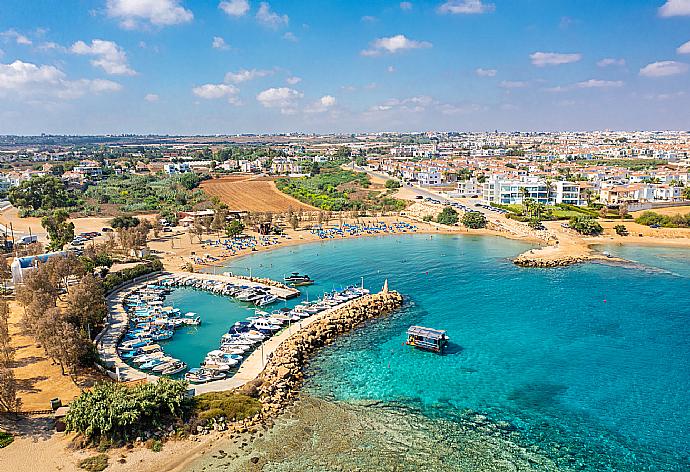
(279, 382)
(525, 261)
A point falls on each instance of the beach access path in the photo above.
(118, 320)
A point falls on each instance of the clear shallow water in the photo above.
(590, 362)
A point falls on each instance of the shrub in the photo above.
(448, 216)
(5, 439)
(649, 218)
(392, 184)
(586, 225)
(116, 412)
(427, 218)
(474, 220)
(621, 230)
(94, 463)
(116, 278)
(232, 406)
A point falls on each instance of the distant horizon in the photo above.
(341, 134)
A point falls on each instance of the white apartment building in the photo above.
(509, 192)
(468, 188)
(177, 168)
(429, 177)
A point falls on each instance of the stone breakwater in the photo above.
(563, 261)
(279, 382)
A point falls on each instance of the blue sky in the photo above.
(244, 66)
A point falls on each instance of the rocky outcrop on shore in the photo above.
(525, 261)
(278, 383)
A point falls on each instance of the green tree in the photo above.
(392, 184)
(621, 230)
(60, 230)
(448, 216)
(120, 222)
(234, 228)
(474, 220)
(586, 225)
(39, 193)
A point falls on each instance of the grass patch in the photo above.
(94, 463)
(5, 439)
(335, 189)
(232, 406)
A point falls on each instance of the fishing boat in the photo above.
(297, 279)
(175, 368)
(265, 300)
(197, 376)
(428, 339)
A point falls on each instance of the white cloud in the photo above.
(282, 97)
(151, 97)
(18, 38)
(269, 18)
(684, 48)
(135, 13)
(108, 56)
(406, 5)
(588, 84)
(219, 43)
(390, 69)
(25, 80)
(541, 59)
(216, 91)
(78, 88)
(486, 72)
(675, 8)
(595, 83)
(394, 44)
(20, 74)
(513, 84)
(466, 7)
(369, 19)
(51, 46)
(244, 75)
(290, 36)
(234, 7)
(663, 69)
(323, 104)
(293, 80)
(610, 61)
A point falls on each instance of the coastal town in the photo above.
(267, 236)
(237, 195)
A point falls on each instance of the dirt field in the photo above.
(242, 193)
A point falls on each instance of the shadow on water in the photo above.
(453, 348)
(538, 395)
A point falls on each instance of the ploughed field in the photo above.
(250, 194)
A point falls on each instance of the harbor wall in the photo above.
(278, 383)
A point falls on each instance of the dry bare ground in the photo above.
(245, 193)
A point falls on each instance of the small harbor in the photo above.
(146, 322)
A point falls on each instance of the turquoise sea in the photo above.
(590, 364)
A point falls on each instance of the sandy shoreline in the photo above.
(177, 455)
